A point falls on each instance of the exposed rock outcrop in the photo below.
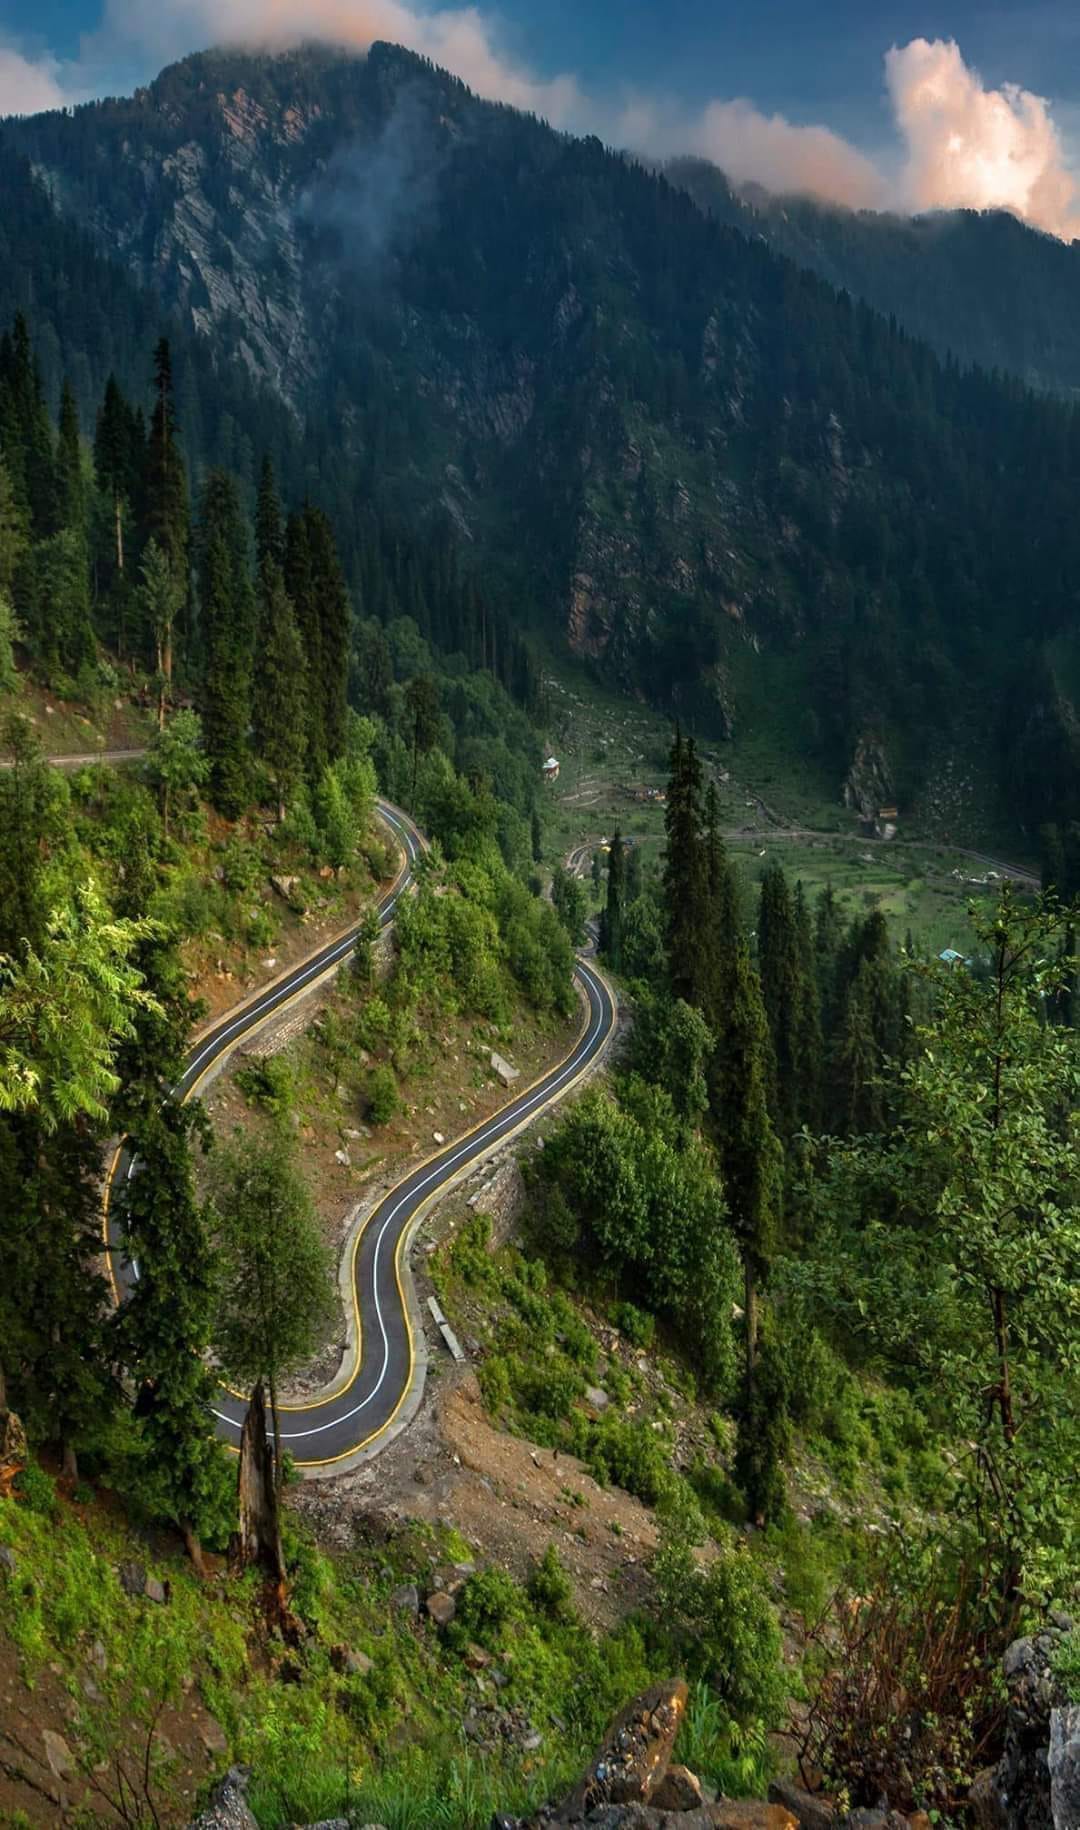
(632, 1785)
(1017, 1794)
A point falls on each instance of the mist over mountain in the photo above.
(655, 438)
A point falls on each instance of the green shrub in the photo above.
(489, 1600)
(628, 1453)
(470, 1254)
(726, 1625)
(1067, 1666)
(37, 1490)
(495, 1386)
(267, 1080)
(638, 1326)
(382, 1095)
(549, 1587)
(548, 1388)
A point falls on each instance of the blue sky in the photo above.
(946, 121)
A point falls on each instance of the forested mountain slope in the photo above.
(980, 285)
(657, 440)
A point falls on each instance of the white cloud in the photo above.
(28, 86)
(968, 146)
(962, 144)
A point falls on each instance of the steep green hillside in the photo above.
(657, 441)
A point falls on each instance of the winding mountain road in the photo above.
(358, 1413)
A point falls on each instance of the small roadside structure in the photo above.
(551, 769)
(951, 957)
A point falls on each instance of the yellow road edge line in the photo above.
(437, 1194)
(317, 1404)
(414, 1218)
(335, 966)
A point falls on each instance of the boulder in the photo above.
(286, 888)
(228, 1808)
(635, 1753)
(1015, 1795)
(504, 1070)
(155, 1590)
(58, 1755)
(406, 1598)
(441, 1607)
(1065, 1768)
(679, 1790)
(213, 1736)
(809, 1811)
(132, 1578)
(8, 1560)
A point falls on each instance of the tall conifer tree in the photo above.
(684, 872)
(300, 582)
(611, 921)
(269, 522)
(70, 488)
(166, 516)
(784, 995)
(227, 604)
(335, 628)
(278, 704)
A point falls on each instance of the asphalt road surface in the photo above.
(334, 1429)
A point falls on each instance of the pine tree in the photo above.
(278, 707)
(269, 525)
(117, 460)
(536, 836)
(422, 702)
(684, 872)
(166, 1331)
(611, 920)
(32, 807)
(25, 432)
(161, 599)
(227, 604)
(53, 1323)
(750, 1157)
(721, 927)
(70, 487)
(166, 516)
(634, 879)
(787, 996)
(828, 941)
(335, 628)
(809, 1047)
(301, 586)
